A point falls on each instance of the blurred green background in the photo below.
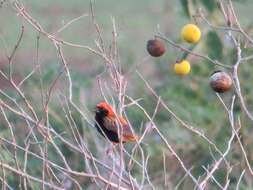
(190, 97)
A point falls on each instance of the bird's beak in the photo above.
(95, 110)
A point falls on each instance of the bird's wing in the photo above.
(111, 124)
(128, 134)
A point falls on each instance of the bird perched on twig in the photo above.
(110, 125)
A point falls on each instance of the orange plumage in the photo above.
(110, 125)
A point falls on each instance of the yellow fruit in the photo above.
(182, 68)
(191, 33)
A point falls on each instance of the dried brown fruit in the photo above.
(155, 48)
(220, 81)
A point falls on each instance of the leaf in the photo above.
(241, 1)
(185, 6)
(214, 45)
(209, 5)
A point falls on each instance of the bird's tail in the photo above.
(132, 138)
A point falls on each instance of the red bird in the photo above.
(108, 124)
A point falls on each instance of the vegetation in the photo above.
(58, 59)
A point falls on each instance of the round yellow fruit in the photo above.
(191, 33)
(182, 68)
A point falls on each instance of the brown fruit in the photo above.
(220, 81)
(155, 48)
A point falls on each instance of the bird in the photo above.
(111, 125)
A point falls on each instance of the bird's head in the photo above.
(104, 109)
